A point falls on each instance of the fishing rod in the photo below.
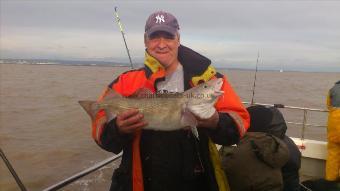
(254, 85)
(123, 35)
(11, 169)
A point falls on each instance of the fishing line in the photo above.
(254, 85)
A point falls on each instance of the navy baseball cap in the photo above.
(161, 21)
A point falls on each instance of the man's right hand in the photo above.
(129, 121)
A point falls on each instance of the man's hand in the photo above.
(210, 122)
(129, 121)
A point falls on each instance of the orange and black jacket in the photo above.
(145, 152)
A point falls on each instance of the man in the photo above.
(270, 120)
(270, 159)
(333, 134)
(171, 160)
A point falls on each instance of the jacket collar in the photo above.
(152, 64)
(193, 63)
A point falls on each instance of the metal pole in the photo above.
(75, 177)
(304, 124)
(123, 35)
(287, 106)
(11, 169)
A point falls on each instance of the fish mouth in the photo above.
(218, 93)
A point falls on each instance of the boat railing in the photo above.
(305, 111)
(107, 161)
(12, 171)
(83, 173)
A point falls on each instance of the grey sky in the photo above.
(300, 35)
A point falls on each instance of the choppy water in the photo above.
(47, 136)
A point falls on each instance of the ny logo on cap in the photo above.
(160, 19)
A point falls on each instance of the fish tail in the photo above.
(91, 108)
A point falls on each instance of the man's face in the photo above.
(163, 46)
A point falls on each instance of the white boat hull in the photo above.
(314, 155)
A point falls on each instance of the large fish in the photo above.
(164, 112)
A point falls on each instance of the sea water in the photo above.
(46, 135)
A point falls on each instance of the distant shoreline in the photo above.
(107, 65)
(136, 65)
(62, 62)
(59, 64)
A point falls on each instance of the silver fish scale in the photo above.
(160, 113)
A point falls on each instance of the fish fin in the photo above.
(142, 93)
(189, 120)
(112, 94)
(91, 108)
(195, 132)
